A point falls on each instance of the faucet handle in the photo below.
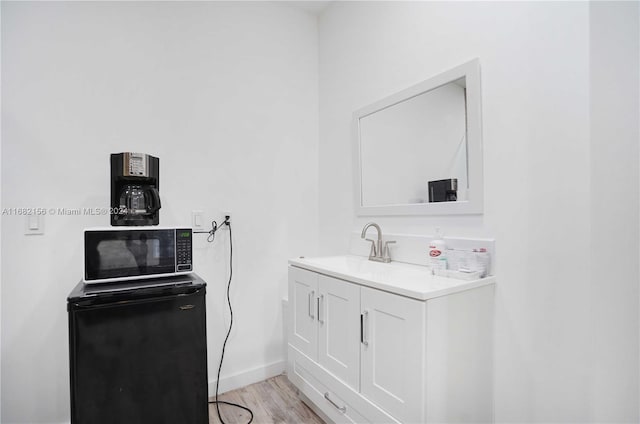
(373, 251)
(386, 249)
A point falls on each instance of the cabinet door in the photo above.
(303, 289)
(339, 329)
(392, 353)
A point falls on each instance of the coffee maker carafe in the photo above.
(134, 189)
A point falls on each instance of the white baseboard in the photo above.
(247, 377)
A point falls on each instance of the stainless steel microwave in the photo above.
(130, 253)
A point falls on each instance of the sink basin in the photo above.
(409, 280)
(357, 265)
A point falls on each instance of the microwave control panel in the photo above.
(184, 250)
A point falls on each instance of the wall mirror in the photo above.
(430, 132)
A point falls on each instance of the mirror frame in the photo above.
(475, 196)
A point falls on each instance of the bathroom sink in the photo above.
(409, 280)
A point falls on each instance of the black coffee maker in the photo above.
(134, 189)
(443, 190)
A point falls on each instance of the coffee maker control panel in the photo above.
(135, 164)
(184, 250)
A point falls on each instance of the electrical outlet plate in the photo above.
(226, 213)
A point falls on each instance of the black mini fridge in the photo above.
(138, 352)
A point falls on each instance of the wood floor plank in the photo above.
(283, 398)
(273, 401)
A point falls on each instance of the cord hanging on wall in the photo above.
(214, 228)
(210, 238)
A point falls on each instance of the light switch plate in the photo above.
(197, 220)
(34, 224)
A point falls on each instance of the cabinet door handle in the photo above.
(310, 303)
(364, 324)
(320, 300)
(342, 409)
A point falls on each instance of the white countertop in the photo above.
(415, 281)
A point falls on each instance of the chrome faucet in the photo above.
(377, 252)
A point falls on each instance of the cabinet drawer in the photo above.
(303, 375)
(314, 381)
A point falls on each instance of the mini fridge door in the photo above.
(139, 361)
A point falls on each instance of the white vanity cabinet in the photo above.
(325, 324)
(303, 334)
(392, 353)
(360, 354)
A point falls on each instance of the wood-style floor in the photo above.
(272, 401)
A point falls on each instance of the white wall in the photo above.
(0, 218)
(539, 163)
(615, 135)
(224, 94)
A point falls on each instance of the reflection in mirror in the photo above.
(419, 151)
(408, 144)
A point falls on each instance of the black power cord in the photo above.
(212, 234)
(214, 228)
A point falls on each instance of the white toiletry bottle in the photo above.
(438, 254)
(484, 261)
